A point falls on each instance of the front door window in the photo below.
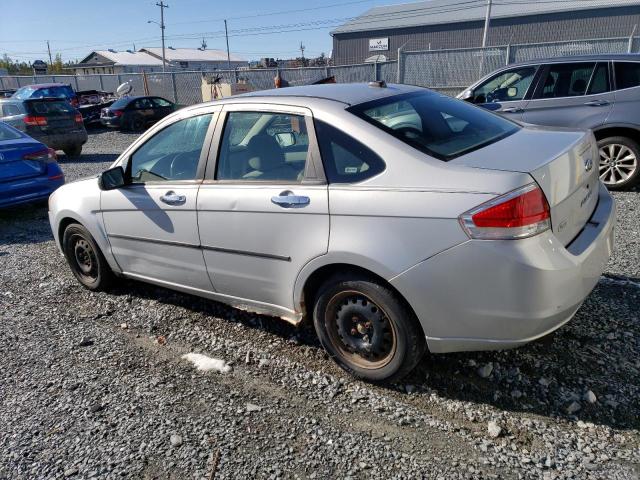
(508, 86)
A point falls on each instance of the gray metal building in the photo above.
(451, 24)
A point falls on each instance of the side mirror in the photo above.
(112, 178)
(467, 96)
(286, 139)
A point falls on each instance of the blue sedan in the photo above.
(28, 169)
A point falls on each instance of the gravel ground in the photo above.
(94, 386)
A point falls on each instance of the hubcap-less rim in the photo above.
(617, 163)
(360, 330)
(84, 257)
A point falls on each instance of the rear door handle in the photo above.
(597, 103)
(513, 110)
(288, 199)
(171, 198)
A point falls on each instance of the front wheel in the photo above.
(85, 258)
(367, 329)
(619, 158)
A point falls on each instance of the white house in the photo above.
(112, 61)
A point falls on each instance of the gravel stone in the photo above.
(494, 429)
(321, 422)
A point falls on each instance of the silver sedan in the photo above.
(397, 219)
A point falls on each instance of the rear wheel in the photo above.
(367, 329)
(73, 151)
(85, 258)
(619, 162)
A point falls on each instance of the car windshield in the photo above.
(440, 126)
(8, 133)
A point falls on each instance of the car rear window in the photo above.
(437, 125)
(8, 133)
(49, 107)
(61, 91)
(121, 103)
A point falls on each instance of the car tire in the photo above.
(135, 124)
(85, 258)
(617, 149)
(73, 151)
(367, 329)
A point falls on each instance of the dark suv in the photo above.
(51, 121)
(599, 92)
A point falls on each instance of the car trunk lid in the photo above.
(60, 116)
(14, 165)
(564, 163)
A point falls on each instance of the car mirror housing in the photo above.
(467, 95)
(112, 178)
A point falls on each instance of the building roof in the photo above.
(192, 55)
(434, 12)
(124, 58)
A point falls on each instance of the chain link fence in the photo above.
(447, 71)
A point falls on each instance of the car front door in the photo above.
(162, 107)
(506, 92)
(263, 208)
(571, 95)
(151, 222)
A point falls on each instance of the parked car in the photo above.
(47, 90)
(28, 169)
(51, 121)
(136, 113)
(397, 218)
(600, 92)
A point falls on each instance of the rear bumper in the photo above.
(28, 190)
(488, 295)
(59, 141)
(110, 121)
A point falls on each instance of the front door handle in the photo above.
(597, 103)
(288, 199)
(513, 110)
(171, 198)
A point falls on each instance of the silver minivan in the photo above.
(598, 92)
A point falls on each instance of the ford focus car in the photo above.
(397, 219)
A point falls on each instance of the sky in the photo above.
(257, 28)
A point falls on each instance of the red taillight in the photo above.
(47, 155)
(518, 214)
(117, 113)
(51, 155)
(78, 118)
(35, 120)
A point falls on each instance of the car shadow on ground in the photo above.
(597, 351)
(24, 224)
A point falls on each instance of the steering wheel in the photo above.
(177, 169)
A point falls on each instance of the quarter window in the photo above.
(566, 80)
(345, 159)
(507, 86)
(627, 75)
(600, 80)
(259, 146)
(172, 154)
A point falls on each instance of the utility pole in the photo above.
(487, 21)
(302, 47)
(51, 61)
(226, 35)
(162, 6)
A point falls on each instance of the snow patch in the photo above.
(205, 364)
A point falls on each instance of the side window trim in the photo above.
(313, 170)
(202, 162)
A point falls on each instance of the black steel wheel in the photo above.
(367, 329)
(85, 258)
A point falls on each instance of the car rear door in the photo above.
(151, 222)
(571, 95)
(263, 208)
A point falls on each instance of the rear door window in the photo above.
(627, 74)
(565, 80)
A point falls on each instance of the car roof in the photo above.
(46, 85)
(581, 58)
(346, 93)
